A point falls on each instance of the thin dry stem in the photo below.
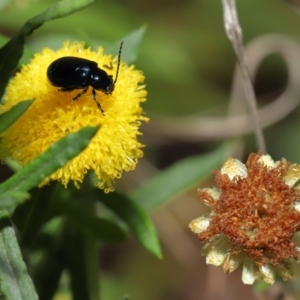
(234, 34)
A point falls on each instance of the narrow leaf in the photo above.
(132, 45)
(55, 157)
(178, 178)
(15, 283)
(27, 52)
(9, 117)
(12, 51)
(11, 199)
(136, 219)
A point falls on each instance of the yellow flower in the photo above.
(255, 218)
(53, 115)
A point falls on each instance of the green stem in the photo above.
(83, 264)
(92, 267)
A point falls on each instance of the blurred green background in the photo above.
(189, 64)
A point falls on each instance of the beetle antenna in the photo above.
(119, 61)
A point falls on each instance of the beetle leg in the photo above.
(98, 104)
(80, 94)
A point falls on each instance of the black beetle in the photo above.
(73, 73)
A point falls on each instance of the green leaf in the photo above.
(132, 45)
(85, 220)
(9, 117)
(130, 49)
(15, 283)
(27, 55)
(12, 51)
(179, 178)
(44, 165)
(136, 219)
(11, 199)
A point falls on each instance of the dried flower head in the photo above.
(255, 218)
(53, 115)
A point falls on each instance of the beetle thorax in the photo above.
(102, 82)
